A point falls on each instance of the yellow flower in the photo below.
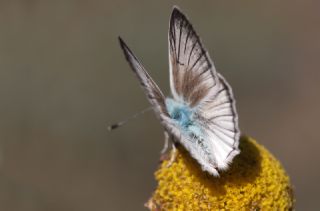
(254, 181)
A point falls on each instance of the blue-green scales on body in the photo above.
(184, 117)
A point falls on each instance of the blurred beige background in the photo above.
(63, 79)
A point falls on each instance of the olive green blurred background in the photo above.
(63, 79)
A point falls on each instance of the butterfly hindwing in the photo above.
(220, 121)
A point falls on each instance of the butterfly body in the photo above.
(180, 112)
(201, 116)
(185, 117)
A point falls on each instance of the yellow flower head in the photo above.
(254, 181)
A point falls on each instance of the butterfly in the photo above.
(201, 114)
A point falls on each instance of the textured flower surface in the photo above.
(254, 181)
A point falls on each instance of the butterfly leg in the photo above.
(164, 154)
(166, 143)
(173, 155)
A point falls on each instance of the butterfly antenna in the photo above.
(119, 124)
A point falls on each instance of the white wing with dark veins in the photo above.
(195, 81)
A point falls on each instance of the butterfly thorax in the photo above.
(183, 115)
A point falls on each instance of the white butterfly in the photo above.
(201, 115)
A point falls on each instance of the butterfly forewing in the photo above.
(194, 81)
(154, 94)
(152, 91)
(192, 74)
